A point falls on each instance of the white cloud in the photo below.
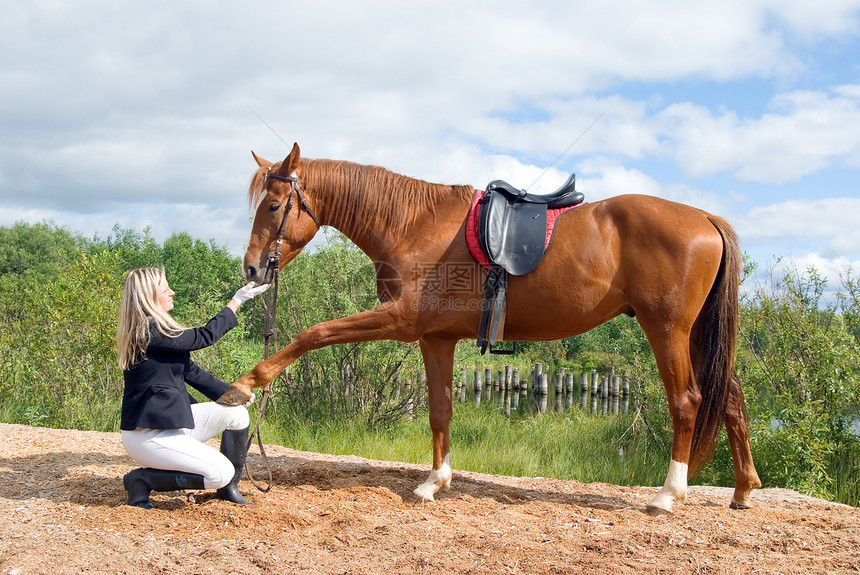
(804, 132)
(832, 270)
(118, 112)
(832, 219)
(812, 20)
(603, 178)
(812, 217)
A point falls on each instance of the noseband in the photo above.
(274, 258)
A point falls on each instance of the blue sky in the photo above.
(145, 113)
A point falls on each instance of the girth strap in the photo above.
(493, 310)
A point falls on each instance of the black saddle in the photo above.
(512, 232)
(512, 224)
(563, 197)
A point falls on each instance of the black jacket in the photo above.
(155, 394)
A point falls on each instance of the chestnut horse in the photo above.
(675, 268)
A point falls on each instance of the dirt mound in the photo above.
(61, 500)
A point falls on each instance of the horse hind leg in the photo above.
(682, 394)
(737, 428)
(438, 356)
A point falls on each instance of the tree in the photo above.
(59, 300)
(350, 380)
(801, 362)
(34, 249)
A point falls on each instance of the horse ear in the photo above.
(291, 162)
(262, 162)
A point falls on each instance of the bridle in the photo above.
(270, 335)
(274, 257)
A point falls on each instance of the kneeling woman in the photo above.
(162, 427)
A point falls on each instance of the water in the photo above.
(535, 400)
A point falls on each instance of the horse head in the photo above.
(283, 221)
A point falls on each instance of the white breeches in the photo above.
(184, 449)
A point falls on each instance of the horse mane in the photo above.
(357, 197)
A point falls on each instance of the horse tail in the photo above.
(715, 343)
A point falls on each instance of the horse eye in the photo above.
(274, 208)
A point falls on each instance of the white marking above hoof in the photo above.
(439, 479)
(674, 489)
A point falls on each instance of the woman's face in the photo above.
(165, 296)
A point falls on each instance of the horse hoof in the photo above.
(741, 499)
(657, 511)
(234, 396)
(662, 504)
(424, 493)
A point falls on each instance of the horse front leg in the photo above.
(376, 324)
(438, 356)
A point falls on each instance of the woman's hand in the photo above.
(244, 293)
(249, 291)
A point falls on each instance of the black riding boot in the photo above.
(140, 482)
(234, 446)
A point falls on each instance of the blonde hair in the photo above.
(138, 307)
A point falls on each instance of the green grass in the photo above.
(564, 446)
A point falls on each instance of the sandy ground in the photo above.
(62, 509)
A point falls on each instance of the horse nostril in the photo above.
(251, 273)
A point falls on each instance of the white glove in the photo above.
(250, 401)
(249, 291)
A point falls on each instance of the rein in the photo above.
(270, 335)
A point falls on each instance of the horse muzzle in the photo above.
(261, 274)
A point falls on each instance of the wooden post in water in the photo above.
(604, 395)
(559, 393)
(544, 385)
(583, 390)
(625, 391)
(616, 393)
(568, 391)
(524, 387)
(541, 394)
